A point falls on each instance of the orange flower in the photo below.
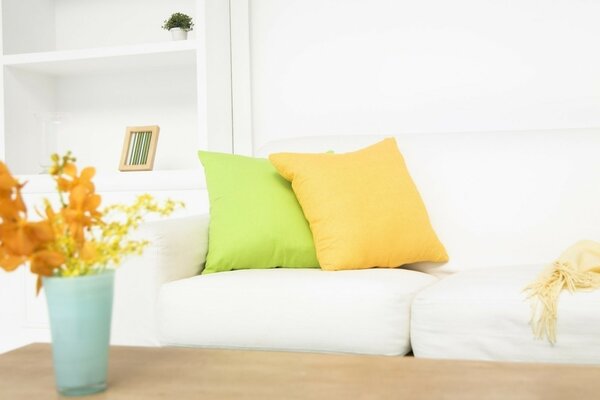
(7, 181)
(82, 211)
(10, 262)
(22, 238)
(11, 202)
(44, 263)
(69, 179)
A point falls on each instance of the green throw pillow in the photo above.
(255, 219)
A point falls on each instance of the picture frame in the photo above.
(139, 148)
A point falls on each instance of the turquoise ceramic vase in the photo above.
(80, 311)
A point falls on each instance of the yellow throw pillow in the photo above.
(363, 208)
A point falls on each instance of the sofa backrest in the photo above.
(495, 198)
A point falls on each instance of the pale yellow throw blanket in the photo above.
(578, 268)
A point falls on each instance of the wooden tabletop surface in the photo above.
(178, 373)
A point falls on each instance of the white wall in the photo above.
(383, 66)
(27, 95)
(19, 37)
(218, 76)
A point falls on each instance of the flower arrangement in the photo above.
(76, 238)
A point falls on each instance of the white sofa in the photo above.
(505, 204)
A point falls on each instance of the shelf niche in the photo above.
(55, 25)
(100, 106)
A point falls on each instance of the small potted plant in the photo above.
(179, 25)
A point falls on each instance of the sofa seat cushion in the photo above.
(484, 315)
(361, 311)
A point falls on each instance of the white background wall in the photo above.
(388, 66)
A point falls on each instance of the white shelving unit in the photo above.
(106, 64)
(106, 59)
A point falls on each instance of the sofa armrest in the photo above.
(177, 250)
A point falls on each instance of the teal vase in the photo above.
(80, 311)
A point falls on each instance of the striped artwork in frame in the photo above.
(139, 148)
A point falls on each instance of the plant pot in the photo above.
(178, 34)
(80, 311)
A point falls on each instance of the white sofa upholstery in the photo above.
(161, 299)
(364, 311)
(177, 251)
(481, 314)
(498, 201)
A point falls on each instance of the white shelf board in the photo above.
(106, 59)
(133, 181)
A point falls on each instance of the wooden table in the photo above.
(177, 373)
